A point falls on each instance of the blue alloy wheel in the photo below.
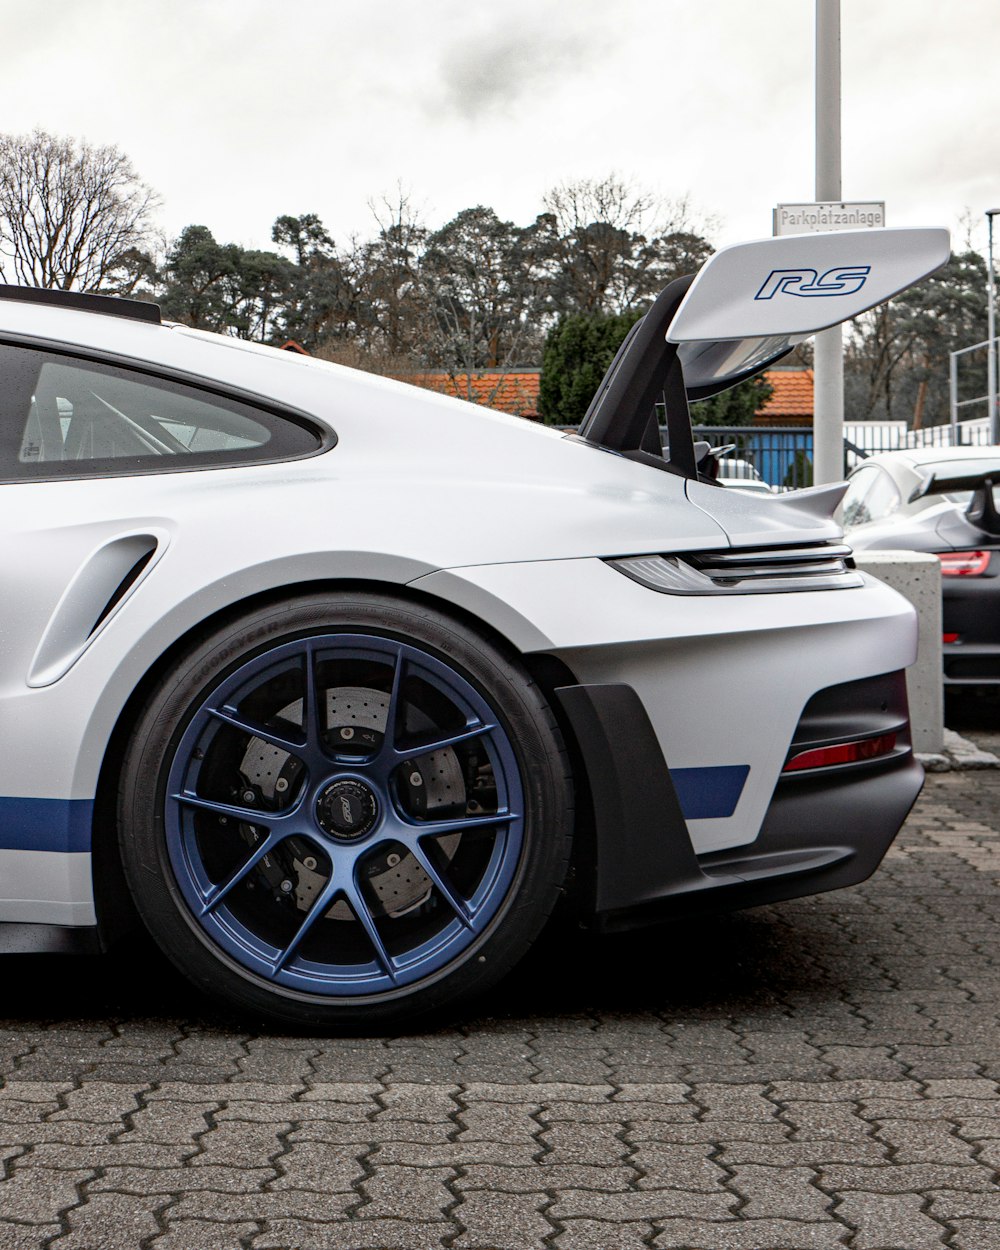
(342, 810)
(344, 814)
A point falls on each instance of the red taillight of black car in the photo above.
(963, 563)
(842, 753)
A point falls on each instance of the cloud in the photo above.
(493, 70)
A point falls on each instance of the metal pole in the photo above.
(991, 334)
(953, 395)
(828, 418)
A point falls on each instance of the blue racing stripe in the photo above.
(704, 793)
(45, 824)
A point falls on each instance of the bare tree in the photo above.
(386, 270)
(485, 292)
(72, 216)
(619, 245)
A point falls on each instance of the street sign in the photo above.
(804, 218)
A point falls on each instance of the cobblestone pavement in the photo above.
(823, 1073)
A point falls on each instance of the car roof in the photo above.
(917, 456)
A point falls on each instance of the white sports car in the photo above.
(335, 684)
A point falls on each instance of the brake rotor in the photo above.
(430, 783)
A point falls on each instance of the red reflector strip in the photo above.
(963, 563)
(949, 637)
(842, 753)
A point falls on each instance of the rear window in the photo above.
(64, 417)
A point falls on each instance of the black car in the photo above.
(942, 500)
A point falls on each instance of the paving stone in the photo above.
(549, 1176)
(101, 1102)
(733, 1102)
(407, 1101)
(55, 1155)
(204, 1235)
(846, 1091)
(676, 1167)
(363, 1092)
(657, 1205)
(239, 1144)
(498, 1121)
(804, 1153)
(364, 1132)
(395, 1192)
(33, 1091)
(38, 1194)
(143, 1181)
(687, 1234)
(68, 1132)
(501, 1221)
(916, 1141)
(541, 1092)
(907, 1178)
(320, 1166)
(952, 1206)
(882, 1220)
(110, 1221)
(301, 1112)
(779, 1193)
(355, 1234)
(975, 1235)
(26, 1236)
(462, 1153)
(597, 1235)
(276, 1204)
(583, 1143)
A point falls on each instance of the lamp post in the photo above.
(991, 334)
(828, 358)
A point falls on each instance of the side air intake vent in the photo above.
(102, 583)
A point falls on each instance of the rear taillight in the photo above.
(946, 638)
(842, 753)
(963, 563)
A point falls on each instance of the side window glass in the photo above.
(69, 418)
(855, 511)
(883, 498)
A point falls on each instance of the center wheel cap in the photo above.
(347, 809)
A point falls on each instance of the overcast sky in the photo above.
(237, 111)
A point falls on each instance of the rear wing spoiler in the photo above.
(982, 510)
(943, 483)
(748, 306)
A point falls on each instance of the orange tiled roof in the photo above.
(515, 392)
(793, 394)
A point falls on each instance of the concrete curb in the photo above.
(959, 753)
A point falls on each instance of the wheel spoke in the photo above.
(392, 711)
(357, 904)
(312, 712)
(216, 895)
(457, 904)
(229, 716)
(323, 901)
(413, 829)
(472, 730)
(249, 815)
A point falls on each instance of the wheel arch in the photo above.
(116, 914)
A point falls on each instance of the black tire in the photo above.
(219, 932)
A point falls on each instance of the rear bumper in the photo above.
(970, 607)
(823, 829)
(971, 664)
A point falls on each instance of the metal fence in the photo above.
(782, 456)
